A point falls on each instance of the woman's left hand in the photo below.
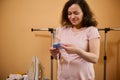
(70, 48)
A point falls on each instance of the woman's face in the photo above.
(75, 14)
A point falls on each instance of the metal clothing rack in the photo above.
(51, 30)
(105, 45)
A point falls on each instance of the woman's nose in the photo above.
(72, 16)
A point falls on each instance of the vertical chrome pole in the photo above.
(105, 57)
(52, 41)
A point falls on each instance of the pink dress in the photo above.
(72, 66)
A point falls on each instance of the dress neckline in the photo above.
(77, 30)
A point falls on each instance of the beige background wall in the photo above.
(18, 44)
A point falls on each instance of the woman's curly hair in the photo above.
(87, 20)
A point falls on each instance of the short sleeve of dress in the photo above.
(93, 33)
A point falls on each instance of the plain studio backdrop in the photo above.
(18, 44)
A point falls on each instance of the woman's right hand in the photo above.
(54, 52)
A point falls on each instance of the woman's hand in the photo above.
(91, 56)
(54, 52)
(70, 48)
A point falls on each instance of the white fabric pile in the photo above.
(17, 77)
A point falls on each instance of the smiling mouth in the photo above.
(74, 21)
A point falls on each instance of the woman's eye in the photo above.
(69, 13)
(76, 13)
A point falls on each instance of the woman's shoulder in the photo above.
(91, 28)
(62, 28)
(92, 32)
